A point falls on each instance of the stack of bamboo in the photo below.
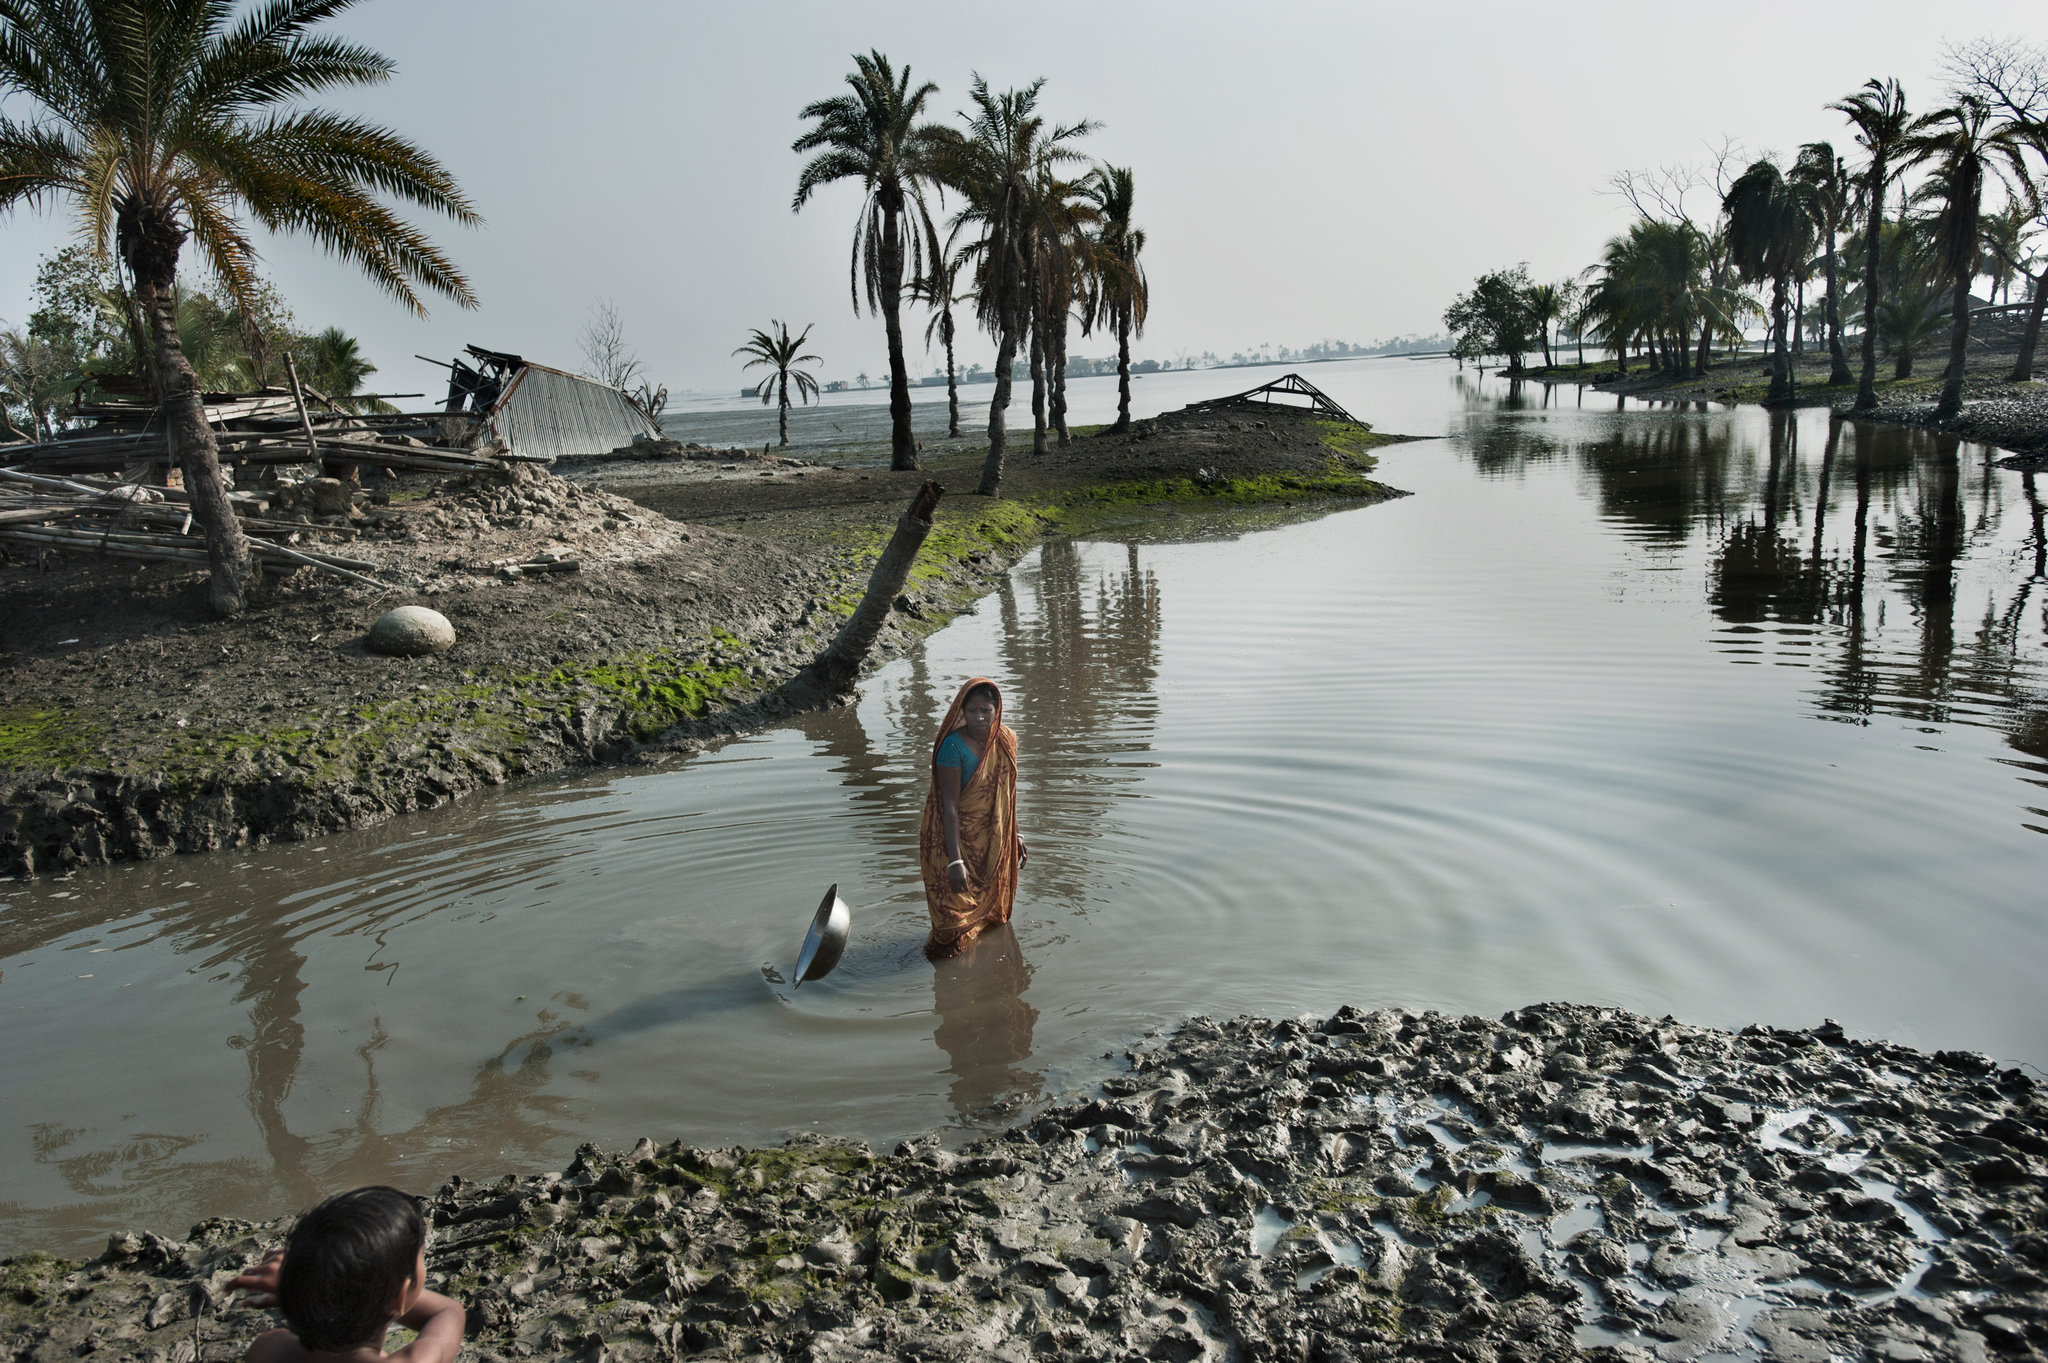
(127, 520)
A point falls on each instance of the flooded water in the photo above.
(1733, 716)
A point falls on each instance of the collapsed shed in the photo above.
(1281, 392)
(540, 413)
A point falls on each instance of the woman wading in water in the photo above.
(968, 846)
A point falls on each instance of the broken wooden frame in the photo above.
(1291, 385)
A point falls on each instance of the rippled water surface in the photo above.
(1708, 712)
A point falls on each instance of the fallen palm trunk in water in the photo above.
(1563, 1182)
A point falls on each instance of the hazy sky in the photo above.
(1304, 171)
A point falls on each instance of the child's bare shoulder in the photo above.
(275, 1346)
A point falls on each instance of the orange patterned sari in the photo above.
(988, 839)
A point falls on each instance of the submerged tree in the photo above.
(167, 121)
(1878, 113)
(1119, 296)
(781, 353)
(873, 136)
(1495, 317)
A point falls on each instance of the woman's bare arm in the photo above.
(947, 779)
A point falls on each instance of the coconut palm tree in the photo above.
(1770, 233)
(1820, 175)
(873, 135)
(168, 121)
(1964, 144)
(1546, 305)
(1878, 113)
(1907, 320)
(781, 353)
(995, 165)
(1119, 296)
(334, 365)
(938, 288)
(1061, 217)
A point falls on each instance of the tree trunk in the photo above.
(1545, 330)
(1781, 375)
(1037, 377)
(999, 402)
(902, 446)
(1959, 318)
(782, 410)
(1056, 362)
(1706, 343)
(840, 663)
(1902, 363)
(231, 569)
(1799, 319)
(952, 381)
(1866, 384)
(1838, 359)
(1123, 365)
(2023, 366)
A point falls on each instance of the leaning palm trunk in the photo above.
(902, 446)
(1958, 346)
(1123, 365)
(840, 663)
(231, 568)
(2023, 366)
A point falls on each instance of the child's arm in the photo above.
(439, 1322)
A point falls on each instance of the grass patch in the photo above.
(30, 737)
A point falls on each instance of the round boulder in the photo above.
(410, 632)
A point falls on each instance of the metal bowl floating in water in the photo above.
(830, 927)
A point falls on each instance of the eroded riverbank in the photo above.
(1561, 1182)
(133, 726)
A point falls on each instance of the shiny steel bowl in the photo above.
(830, 927)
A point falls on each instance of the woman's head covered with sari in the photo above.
(988, 834)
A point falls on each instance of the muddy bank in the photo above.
(2011, 416)
(133, 725)
(1563, 1181)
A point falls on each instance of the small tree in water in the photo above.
(1495, 318)
(781, 353)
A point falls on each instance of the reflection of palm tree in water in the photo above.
(1086, 665)
(985, 1027)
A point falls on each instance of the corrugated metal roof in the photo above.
(550, 414)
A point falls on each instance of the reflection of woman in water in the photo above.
(968, 846)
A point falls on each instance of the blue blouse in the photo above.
(954, 752)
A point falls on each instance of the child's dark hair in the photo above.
(345, 1264)
(983, 691)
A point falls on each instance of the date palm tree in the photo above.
(1820, 175)
(1965, 143)
(873, 135)
(995, 165)
(938, 288)
(168, 121)
(1120, 296)
(1878, 113)
(1770, 234)
(781, 353)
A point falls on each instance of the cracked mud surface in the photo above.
(1562, 1182)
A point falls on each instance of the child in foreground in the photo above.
(352, 1267)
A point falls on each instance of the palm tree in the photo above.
(1878, 113)
(1120, 296)
(333, 364)
(938, 288)
(873, 136)
(1060, 217)
(1965, 142)
(1908, 319)
(1546, 305)
(782, 353)
(1770, 233)
(1820, 175)
(165, 122)
(995, 165)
